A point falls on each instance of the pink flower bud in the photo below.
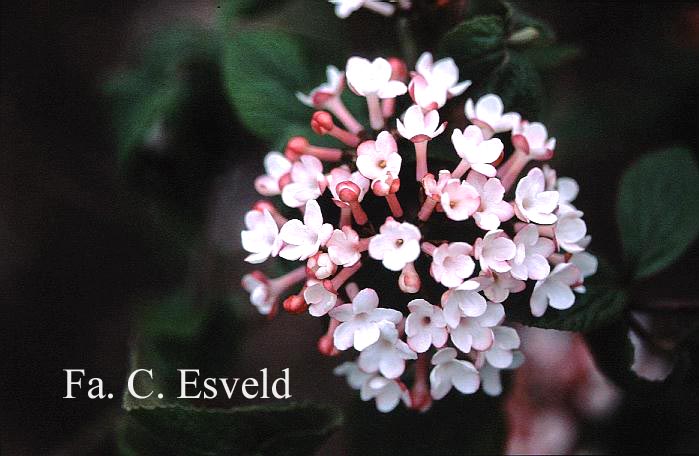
(348, 191)
(322, 122)
(399, 70)
(296, 147)
(295, 304)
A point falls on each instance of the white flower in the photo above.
(320, 300)
(585, 262)
(452, 264)
(261, 296)
(533, 139)
(530, 261)
(276, 165)
(396, 245)
(377, 158)
(449, 371)
(330, 89)
(498, 286)
(307, 182)
(356, 377)
(495, 251)
(488, 115)
(434, 187)
(533, 202)
(261, 238)
(459, 200)
(459, 303)
(425, 326)
(493, 210)
(343, 247)
(343, 8)
(303, 239)
(500, 354)
(343, 174)
(388, 354)
(321, 266)
(476, 332)
(490, 375)
(418, 126)
(478, 152)
(435, 82)
(566, 187)
(555, 290)
(388, 393)
(367, 78)
(360, 321)
(570, 231)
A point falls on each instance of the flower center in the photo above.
(399, 242)
(426, 321)
(382, 164)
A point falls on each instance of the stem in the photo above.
(281, 283)
(338, 108)
(324, 153)
(428, 248)
(345, 136)
(427, 209)
(351, 289)
(513, 167)
(363, 244)
(344, 275)
(358, 213)
(375, 115)
(345, 216)
(388, 107)
(394, 205)
(421, 160)
(461, 169)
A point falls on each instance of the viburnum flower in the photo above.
(492, 210)
(320, 300)
(497, 286)
(377, 158)
(505, 342)
(533, 202)
(555, 290)
(459, 199)
(425, 326)
(487, 114)
(531, 258)
(419, 127)
(476, 332)
(344, 247)
(533, 139)
(343, 8)
(373, 81)
(475, 151)
(449, 371)
(387, 393)
(435, 82)
(303, 239)
(452, 263)
(494, 251)
(360, 321)
(261, 239)
(570, 230)
(307, 182)
(388, 354)
(396, 245)
(459, 302)
(276, 166)
(478, 254)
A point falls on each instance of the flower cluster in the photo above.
(457, 236)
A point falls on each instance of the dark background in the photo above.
(75, 248)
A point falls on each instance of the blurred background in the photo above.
(84, 245)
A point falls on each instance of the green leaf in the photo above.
(603, 303)
(539, 32)
(232, 9)
(289, 429)
(549, 57)
(474, 38)
(517, 82)
(152, 94)
(657, 209)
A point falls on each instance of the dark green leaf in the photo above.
(517, 82)
(657, 209)
(546, 58)
(232, 9)
(474, 38)
(538, 31)
(290, 429)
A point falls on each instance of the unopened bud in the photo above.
(322, 122)
(296, 147)
(295, 304)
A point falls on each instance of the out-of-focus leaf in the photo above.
(602, 303)
(657, 209)
(474, 38)
(231, 9)
(540, 33)
(153, 93)
(173, 429)
(549, 57)
(458, 424)
(517, 82)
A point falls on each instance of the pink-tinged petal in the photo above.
(382, 314)
(499, 358)
(267, 186)
(506, 338)
(471, 303)
(547, 201)
(538, 267)
(486, 220)
(490, 150)
(482, 337)
(438, 387)
(342, 312)
(431, 121)
(343, 337)
(313, 217)
(392, 89)
(462, 338)
(467, 381)
(493, 315)
(561, 297)
(365, 301)
(444, 355)
(424, 63)
(365, 336)
(391, 367)
(403, 130)
(420, 342)
(502, 249)
(459, 88)
(386, 143)
(567, 189)
(489, 109)
(484, 168)
(276, 164)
